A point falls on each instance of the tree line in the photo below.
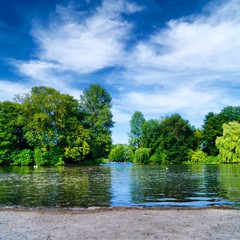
(174, 140)
(46, 127)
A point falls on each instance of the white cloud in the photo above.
(183, 99)
(85, 44)
(204, 44)
(180, 68)
(188, 67)
(8, 89)
(46, 74)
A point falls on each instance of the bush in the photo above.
(121, 153)
(199, 156)
(142, 155)
(159, 158)
(24, 157)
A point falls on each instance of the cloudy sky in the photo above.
(155, 56)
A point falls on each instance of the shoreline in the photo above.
(114, 208)
(120, 223)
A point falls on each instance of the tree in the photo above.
(96, 105)
(121, 153)
(176, 139)
(229, 143)
(142, 155)
(12, 141)
(52, 127)
(197, 156)
(150, 134)
(136, 124)
(212, 127)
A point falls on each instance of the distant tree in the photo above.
(96, 105)
(121, 153)
(229, 143)
(150, 134)
(213, 127)
(198, 134)
(142, 155)
(176, 139)
(136, 124)
(197, 156)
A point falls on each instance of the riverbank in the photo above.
(120, 223)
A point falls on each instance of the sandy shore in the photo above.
(120, 223)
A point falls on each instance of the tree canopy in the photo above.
(47, 127)
(213, 127)
(136, 124)
(176, 138)
(121, 153)
(229, 143)
(165, 141)
(96, 106)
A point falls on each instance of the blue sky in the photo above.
(157, 56)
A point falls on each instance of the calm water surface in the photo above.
(121, 185)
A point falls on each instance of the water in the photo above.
(121, 185)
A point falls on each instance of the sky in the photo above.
(159, 57)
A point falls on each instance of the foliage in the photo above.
(11, 131)
(198, 134)
(136, 124)
(45, 127)
(142, 155)
(176, 138)
(24, 157)
(229, 143)
(52, 126)
(159, 158)
(96, 105)
(150, 134)
(212, 160)
(197, 156)
(121, 153)
(212, 127)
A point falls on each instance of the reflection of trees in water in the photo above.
(211, 181)
(63, 187)
(135, 184)
(175, 183)
(229, 177)
(89, 186)
(161, 183)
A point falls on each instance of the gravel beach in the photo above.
(120, 223)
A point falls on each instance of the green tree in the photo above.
(229, 143)
(96, 105)
(150, 134)
(142, 155)
(121, 153)
(52, 126)
(197, 156)
(213, 127)
(12, 141)
(176, 139)
(136, 124)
